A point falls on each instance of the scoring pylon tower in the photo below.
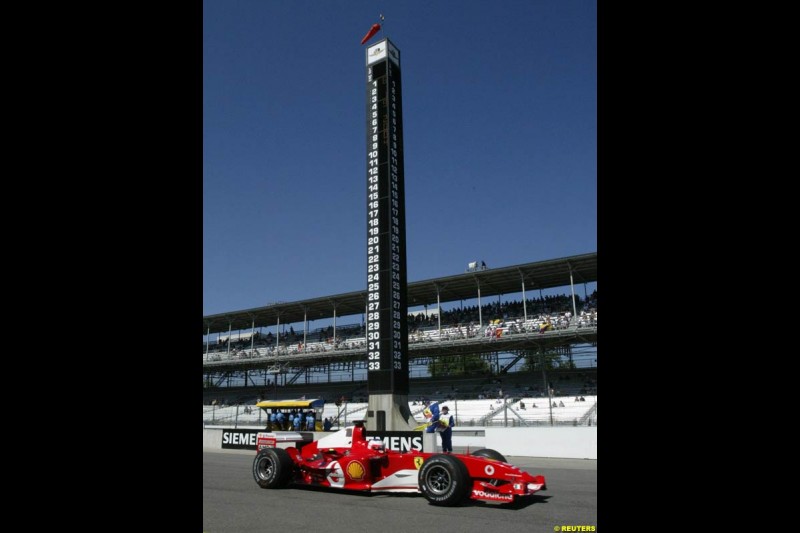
(387, 320)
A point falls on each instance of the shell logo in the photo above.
(355, 471)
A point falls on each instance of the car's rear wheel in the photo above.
(444, 480)
(489, 454)
(272, 468)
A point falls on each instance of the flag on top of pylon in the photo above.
(372, 31)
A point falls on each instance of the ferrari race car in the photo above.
(365, 465)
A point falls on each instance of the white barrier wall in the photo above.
(466, 438)
(563, 442)
(212, 438)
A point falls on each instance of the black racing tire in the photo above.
(444, 480)
(272, 468)
(489, 454)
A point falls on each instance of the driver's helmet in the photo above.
(376, 445)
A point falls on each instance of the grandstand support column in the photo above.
(524, 303)
(572, 288)
(334, 325)
(480, 313)
(438, 311)
(305, 327)
(546, 384)
(208, 336)
(253, 336)
(277, 336)
(229, 339)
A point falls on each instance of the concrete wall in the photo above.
(472, 438)
(565, 442)
(212, 438)
(562, 442)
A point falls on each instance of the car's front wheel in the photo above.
(272, 468)
(444, 480)
(489, 454)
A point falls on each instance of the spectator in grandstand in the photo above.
(447, 422)
(522, 405)
(583, 399)
(310, 420)
(561, 404)
(534, 406)
(326, 426)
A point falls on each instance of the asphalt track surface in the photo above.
(232, 502)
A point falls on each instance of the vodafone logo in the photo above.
(489, 470)
(492, 496)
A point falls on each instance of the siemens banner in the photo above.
(239, 439)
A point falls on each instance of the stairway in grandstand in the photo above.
(591, 413)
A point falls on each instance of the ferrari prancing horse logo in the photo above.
(418, 462)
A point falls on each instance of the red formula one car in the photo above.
(365, 465)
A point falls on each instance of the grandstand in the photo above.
(527, 349)
(560, 410)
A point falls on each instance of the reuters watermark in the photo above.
(574, 528)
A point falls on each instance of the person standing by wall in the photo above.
(445, 429)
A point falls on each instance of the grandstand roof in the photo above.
(492, 282)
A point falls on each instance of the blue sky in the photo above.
(500, 134)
